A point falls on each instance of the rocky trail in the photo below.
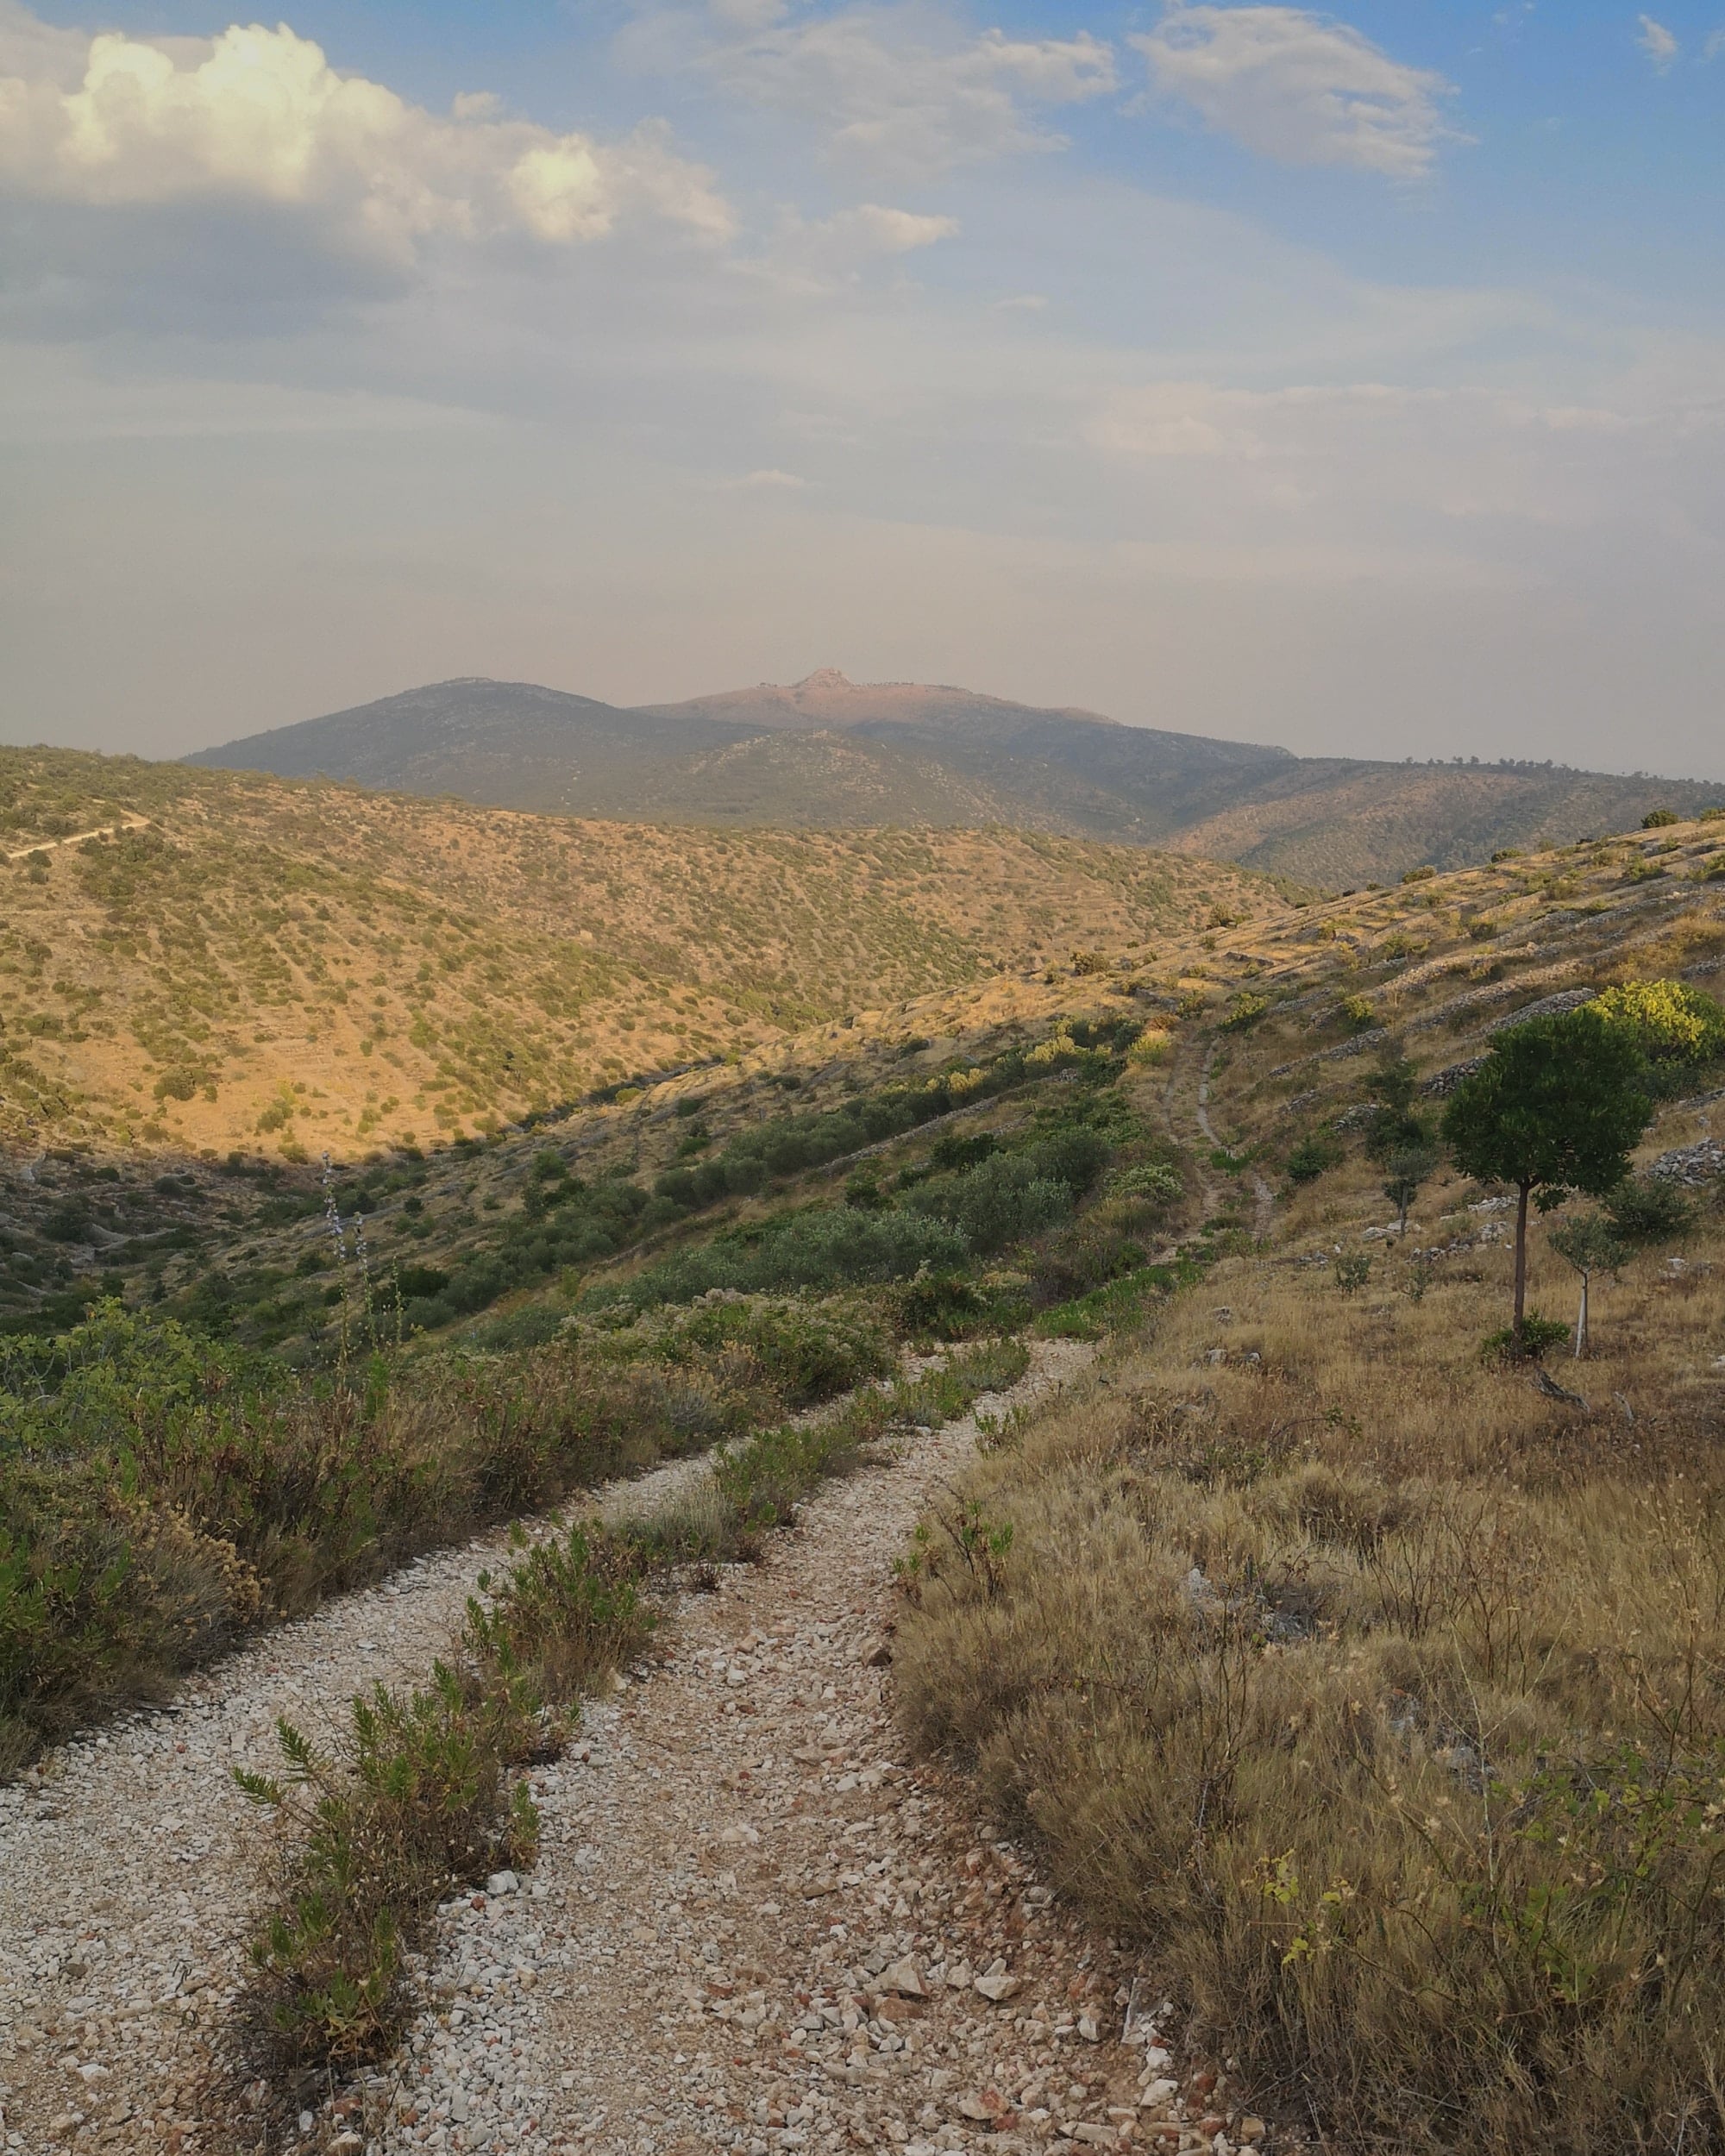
(1186, 1112)
(1263, 1197)
(752, 1925)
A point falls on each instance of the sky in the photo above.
(1352, 381)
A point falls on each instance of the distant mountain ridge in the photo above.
(829, 753)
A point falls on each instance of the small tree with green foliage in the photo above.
(1587, 1246)
(1557, 1107)
(1409, 1168)
(1396, 1126)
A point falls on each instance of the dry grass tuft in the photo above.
(1379, 1694)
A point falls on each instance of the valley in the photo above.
(712, 1380)
(288, 968)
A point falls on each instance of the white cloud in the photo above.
(904, 89)
(812, 257)
(871, 229)
(1658, 43)
(1299, 87)
(258, 116)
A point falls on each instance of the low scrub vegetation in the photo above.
(161, 1494)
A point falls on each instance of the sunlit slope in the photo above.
(237, 960)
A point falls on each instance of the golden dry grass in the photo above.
(1379, 1694)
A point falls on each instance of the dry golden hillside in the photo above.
(233, 960)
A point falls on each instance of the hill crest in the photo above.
(916, 754)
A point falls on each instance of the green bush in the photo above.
(1668, 1021)
(939, 1305)
(1243, 1012)
(568, 1611)
(1312, 1157)
(412, 1804)
(1647, 1210)
(159, 1495)
(1540, 1336)
(830, 1246)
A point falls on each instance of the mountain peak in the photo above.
(822, 678)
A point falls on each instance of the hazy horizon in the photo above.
(1506, 755)
(1343, 379)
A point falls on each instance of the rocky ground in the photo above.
(752, 1925)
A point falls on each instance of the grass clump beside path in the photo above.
(161, 1494)
(1378, 1696)
(423, 1794)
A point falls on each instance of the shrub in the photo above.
(1537, 1336)
(1245, 1011)
(1003, 1200)
(412, 1804)
(1646, 1210)
(1668, 1021)
(1312, 1157)
(159, 1495)
(569, 1611)
(1657, 819)
(1353, 1271)
(421, 1281)
(1423, 874)
(827, 1246)
(1154, 1046)
(940, 1306)
(1356, 1013)
(1150, 1183)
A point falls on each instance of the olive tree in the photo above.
(1557, 1107)
(1587, 1246)
(1408, 1166)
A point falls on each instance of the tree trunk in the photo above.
(1521, 1262)
(1581, 1322)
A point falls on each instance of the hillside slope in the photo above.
(828, 753)
(259, 963)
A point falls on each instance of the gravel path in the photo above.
(754, 1927)
(751, 1927)
(126, 1865)
(127, 1860)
